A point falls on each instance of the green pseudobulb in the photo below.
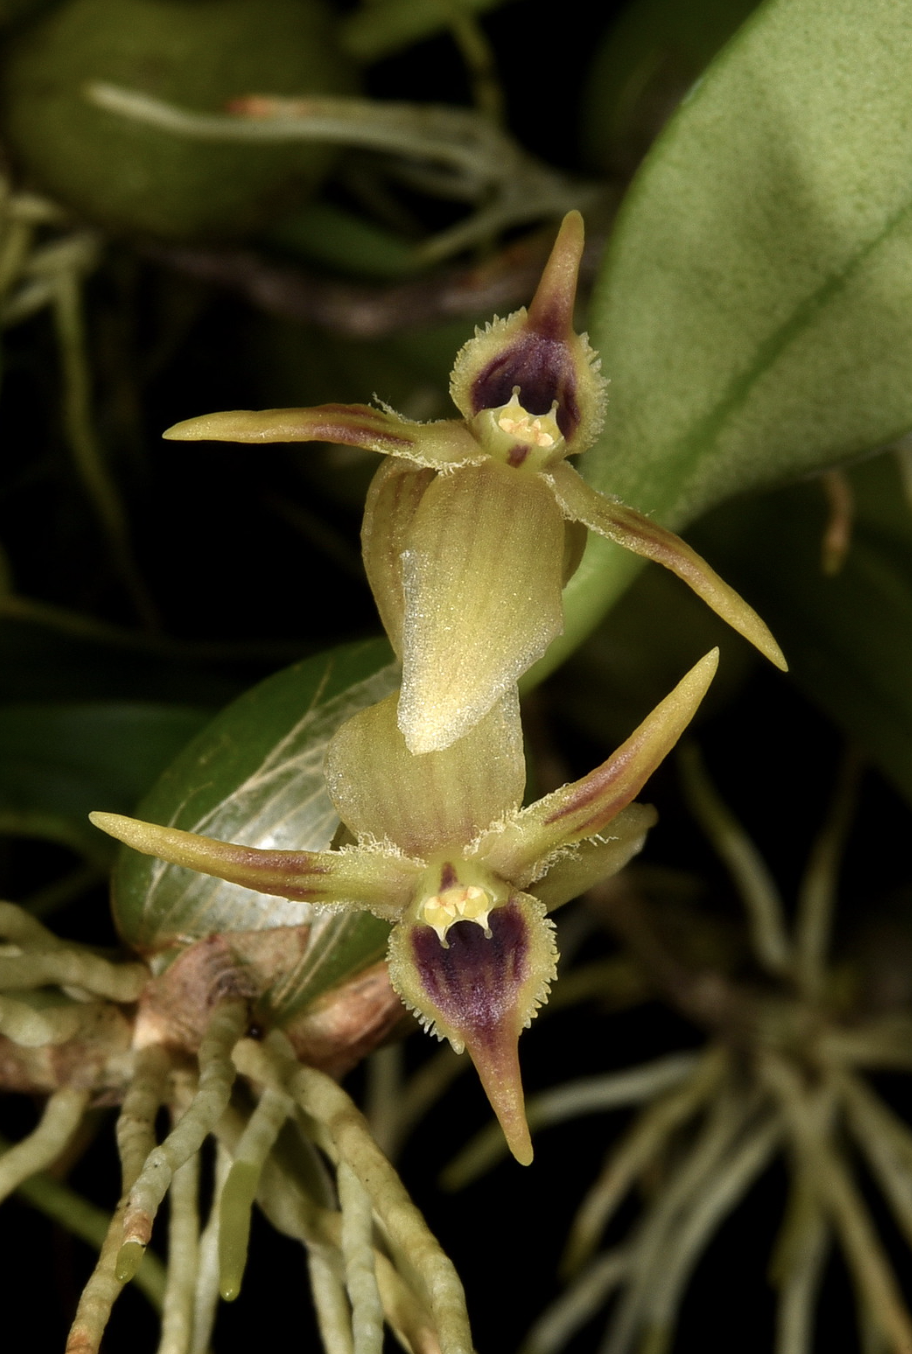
(198, 54)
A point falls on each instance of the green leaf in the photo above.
(754, 315)
(848, 636)
(255, 776)
(59, 761)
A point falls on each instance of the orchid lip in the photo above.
(480, 990)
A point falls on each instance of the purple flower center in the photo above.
(542, 367)
(475, 983)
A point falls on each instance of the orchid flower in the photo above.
(441, 848)
(474, 525)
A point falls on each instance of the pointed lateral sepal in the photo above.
(424, 804)
(374, 881)
(480, 992)
(588, 863)
(392, 500)
(634, 531)
(525, 845)
(446, 442)
(482, 576)
(539, 352)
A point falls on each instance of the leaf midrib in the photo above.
(696, 448)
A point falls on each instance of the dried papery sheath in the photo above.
(445, 851)
(475, 526)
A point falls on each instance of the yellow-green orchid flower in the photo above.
(474, 525)
(443, 850)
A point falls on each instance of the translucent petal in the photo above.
(447, 442)
(375, 881)
(480, 991)
(482, 580)
(393, 496)
(596, 859)
(583, 809)
(634, 531)
(426, 803)
(540, 353)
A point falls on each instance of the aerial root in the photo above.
(60, 1120)
(415, 1249)
(217, 1073)
(135, 1140)
(241, 1185)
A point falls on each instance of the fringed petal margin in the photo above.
(367, 880)
(584, 808)
(480, 991)
(426, 803)
(540, 353)
(599, 858)
(634, 531)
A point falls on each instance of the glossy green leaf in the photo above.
(254, 776)
(754, 314)
(848, 636)
(58, 761)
